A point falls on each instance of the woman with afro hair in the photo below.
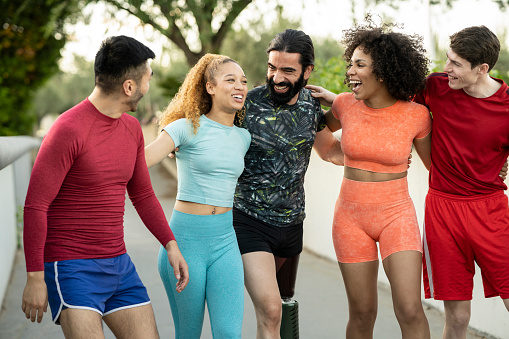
(379, 124)
(202, 121)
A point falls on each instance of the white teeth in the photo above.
(355, 82)
(280, 87)
(238, 96)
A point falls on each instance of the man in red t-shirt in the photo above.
(73, 217)
(467, 215)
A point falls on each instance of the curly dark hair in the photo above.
(398, 59)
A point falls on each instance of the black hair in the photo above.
(293, 41)
(120, 58)
(398, 59)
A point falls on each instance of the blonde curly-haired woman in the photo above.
(202, 122)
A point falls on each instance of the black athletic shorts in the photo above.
(254, 235)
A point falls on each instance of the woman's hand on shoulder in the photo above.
(326, 97)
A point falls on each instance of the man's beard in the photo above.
(133, 103)
(293, 89)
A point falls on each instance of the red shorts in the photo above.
(461, 230)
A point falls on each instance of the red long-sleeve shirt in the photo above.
(75, 202)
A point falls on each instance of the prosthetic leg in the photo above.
(286, 277)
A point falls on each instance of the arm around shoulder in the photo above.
(423, 149)
(326, 97)
(159, 149)
(328, 147)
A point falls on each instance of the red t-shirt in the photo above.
(74, 207)
(470, 139)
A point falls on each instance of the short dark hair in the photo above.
(477, 45)
(293, 41)
(120, 58)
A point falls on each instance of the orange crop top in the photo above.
(379, 140)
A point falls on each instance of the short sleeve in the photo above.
(180, 131)
(424, 122)
(338, 105)
(320, 116)
(246, 136)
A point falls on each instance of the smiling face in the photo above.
(460, 71)
(228, 88)
(285, 77)
(363, 81)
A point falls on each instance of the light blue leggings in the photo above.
(209, 246)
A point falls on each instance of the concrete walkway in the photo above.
(323, 309)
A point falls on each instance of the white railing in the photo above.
(15, 169)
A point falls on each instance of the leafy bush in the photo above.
(31, 36)
(330, 75)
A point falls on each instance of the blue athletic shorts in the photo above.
(100, 285)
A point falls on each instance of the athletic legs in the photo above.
(261, 284)
(403, 270)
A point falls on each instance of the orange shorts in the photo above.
(371, 212)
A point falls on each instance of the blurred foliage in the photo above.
(182, 21)
(501, 69)
(31, 36)
(330, 74)
(502, 4)
(65, 90)
(248, 44)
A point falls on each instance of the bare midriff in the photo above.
(367, 176)
(199, 209)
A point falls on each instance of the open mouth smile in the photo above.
(354, 84)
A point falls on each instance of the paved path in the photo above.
(319, 290)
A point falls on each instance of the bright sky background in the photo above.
(318, 17)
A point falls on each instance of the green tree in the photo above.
(249, 43)
(31, 37)
(196, 27)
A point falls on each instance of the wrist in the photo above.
(36, 275)
(170, 245)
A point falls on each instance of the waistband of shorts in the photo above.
(374, 192)
(201, 225)
(475, 197)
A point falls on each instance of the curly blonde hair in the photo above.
(192, 99)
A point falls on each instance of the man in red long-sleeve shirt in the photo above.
(73, 218)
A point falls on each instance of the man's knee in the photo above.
(270, 312)
(457, 313)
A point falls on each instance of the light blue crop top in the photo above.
(208, 162)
